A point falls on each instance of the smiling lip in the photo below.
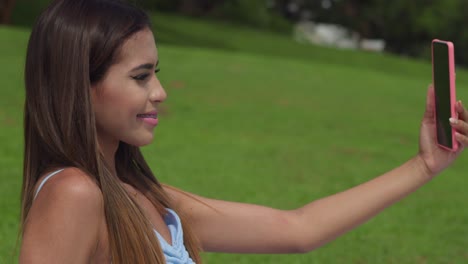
(150, 118)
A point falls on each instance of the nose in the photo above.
(158, 94)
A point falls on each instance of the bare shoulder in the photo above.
(64, 221)
(68, 195)
(70, 184)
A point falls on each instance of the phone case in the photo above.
(452, 87)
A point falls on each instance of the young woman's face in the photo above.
(125, 101)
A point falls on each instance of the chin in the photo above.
(141, 141)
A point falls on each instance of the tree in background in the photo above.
(185, 7)
(247, 12)
(6, 10)
(406, 26)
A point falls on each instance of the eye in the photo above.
(141, 77)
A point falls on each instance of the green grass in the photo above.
(254, 117)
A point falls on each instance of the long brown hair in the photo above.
(71, 47)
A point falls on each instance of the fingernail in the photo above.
(453, 120)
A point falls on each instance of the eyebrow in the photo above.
(146, 66)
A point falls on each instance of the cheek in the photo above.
(118, 106)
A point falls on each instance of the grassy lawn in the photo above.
(254, 117)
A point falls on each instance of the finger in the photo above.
(430, 103)
(462, 112)
(461, 132)
(459, 125)
(462, 139)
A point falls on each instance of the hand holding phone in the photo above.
(443, 76)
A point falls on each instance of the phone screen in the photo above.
(441, 77)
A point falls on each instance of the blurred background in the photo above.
(399, 26)
(279, 103)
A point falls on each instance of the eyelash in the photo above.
(143, 77)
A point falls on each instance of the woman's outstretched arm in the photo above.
(235, 227)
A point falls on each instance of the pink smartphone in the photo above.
(443, 77)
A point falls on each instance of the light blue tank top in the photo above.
(175, 253)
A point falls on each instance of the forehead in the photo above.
(137, 49)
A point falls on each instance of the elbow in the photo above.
(300, 249)
(303, 247)
(303, 237)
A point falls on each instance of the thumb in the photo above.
(429, 114)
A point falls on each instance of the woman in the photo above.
(88, 195)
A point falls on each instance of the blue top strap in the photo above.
(175, 253)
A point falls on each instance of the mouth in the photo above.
(153, 114)
(150, 118)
